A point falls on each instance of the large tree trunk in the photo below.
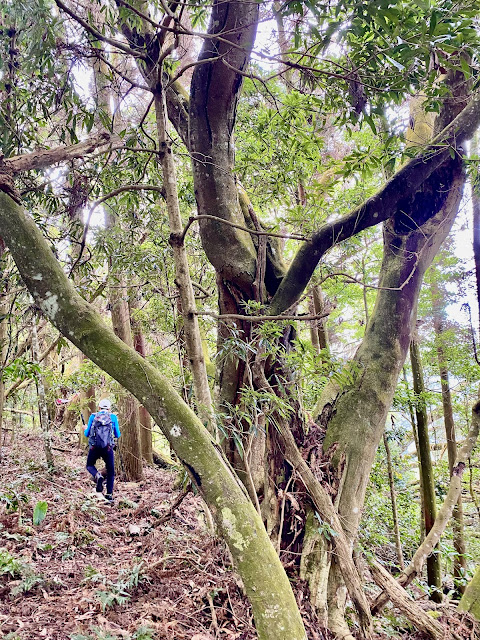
(266, 584)
(355, 418)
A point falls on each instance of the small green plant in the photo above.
(12, 498)
(15, 568)
(39, 512)
(142, 633)
(324, 529)
(9, 564)
(115, 592)
(91, 507)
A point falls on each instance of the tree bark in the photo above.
(471, 598)
(401, 599)
(393, 498)
(193, 339)
(141, 348)
(434, 572)
(42, 403)
(476, 224)
(417, 449)
(460, 561)
(129, 458)
(355, 416)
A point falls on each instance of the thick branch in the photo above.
(46, 157)
(379, 207)
(402, 600)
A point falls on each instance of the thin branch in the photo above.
(379, 207)
(192, 219)
(98, 35)
(134, 83)
(111, 194)
(239, 316)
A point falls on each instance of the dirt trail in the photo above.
(105, 572)
(132, 571)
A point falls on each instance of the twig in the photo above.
(97, 34)
(238, 316)
(289, 236)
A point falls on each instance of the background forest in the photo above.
(255, 226)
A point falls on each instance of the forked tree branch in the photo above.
(379, 207)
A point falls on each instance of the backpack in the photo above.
(101, 433)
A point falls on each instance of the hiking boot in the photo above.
(109, 498)
(100, 481)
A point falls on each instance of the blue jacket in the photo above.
(116, 428)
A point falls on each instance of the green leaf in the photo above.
(39, 512)
(465, 67)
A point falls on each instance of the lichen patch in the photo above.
(175, 431)
(50, 305)
(229, 522)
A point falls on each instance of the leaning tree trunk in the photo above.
(434, 571)
(471, 598)
(275, 611)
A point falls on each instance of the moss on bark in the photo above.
(471, 598)
(274, 607)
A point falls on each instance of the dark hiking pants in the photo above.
(106, 454)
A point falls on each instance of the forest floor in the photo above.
(137, 570)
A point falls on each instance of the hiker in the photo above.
(101, 429)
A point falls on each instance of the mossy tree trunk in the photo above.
(140, 346)
(471, 598)
(266, 584)
(434, 572)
